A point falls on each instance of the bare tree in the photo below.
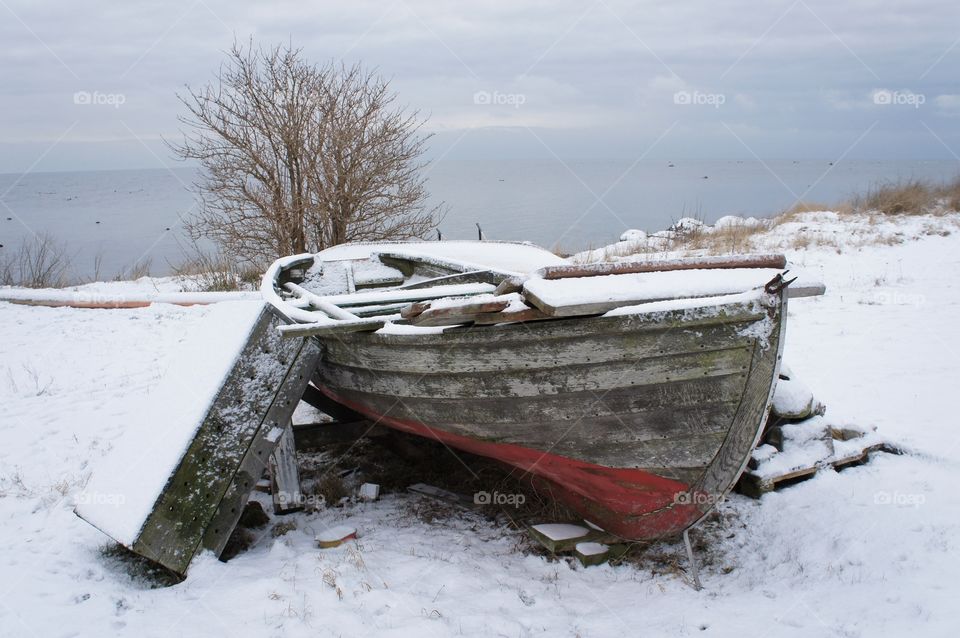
(297, 157)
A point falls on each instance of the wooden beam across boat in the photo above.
(662, 265)
(599, 269)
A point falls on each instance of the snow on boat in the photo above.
(632, 392)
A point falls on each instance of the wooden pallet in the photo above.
(591, 547)
(755, 482)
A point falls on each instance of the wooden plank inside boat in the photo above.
(454, 314)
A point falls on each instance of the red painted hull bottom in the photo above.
(628, 503)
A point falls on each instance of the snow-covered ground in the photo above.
(874, 550)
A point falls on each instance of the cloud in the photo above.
(797, 72)
(948, 102)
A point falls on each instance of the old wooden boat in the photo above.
(633, 392)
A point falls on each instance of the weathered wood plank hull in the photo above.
(638, 422)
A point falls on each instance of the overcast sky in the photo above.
(92, 84)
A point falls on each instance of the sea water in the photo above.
(127, 217)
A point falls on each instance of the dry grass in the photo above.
(214, 272)
(737, 238)
(949, 194)
(910, 197)
(139, 268)
(801, 207)
(39, 262)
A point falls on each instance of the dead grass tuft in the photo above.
(215, 272)
(40, 262)
(910, 197)
(139, 268)
(950, 192)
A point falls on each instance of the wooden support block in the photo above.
(597, 552)
(763, 453)
(774, 437)
(590, 553)
(755, 486)
(285, 475)
(336, 536)
(369, 492)
(560, 537)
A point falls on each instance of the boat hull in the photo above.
(640, 422)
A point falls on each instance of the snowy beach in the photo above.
(868, 551)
